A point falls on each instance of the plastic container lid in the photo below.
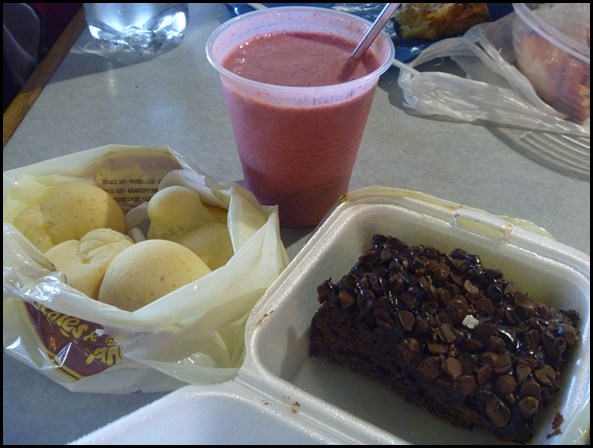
(550, 21)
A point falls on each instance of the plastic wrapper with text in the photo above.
(194, 335)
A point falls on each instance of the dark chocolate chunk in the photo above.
(484, 331)
(431, 367)
(505, 384)
(410, 348)
(528, 406)
(346, 299)
(483, 374)
(568, 332)
(466, 384)
(437, 349)
(497, 412)
(452, 367)
(489, 358)
(522, 373)
(531, 389)
(484, 307)
(407, 319)
(324, 292)
(546, 375)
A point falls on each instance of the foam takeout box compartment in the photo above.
(282, 395)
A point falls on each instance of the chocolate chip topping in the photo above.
(452, 367)
(466, 384)
(528, 406)
(546, 375)
(483, 375)
(431, 367)
(531, 389)
(408, 320)
(505, 384)
(346, 299)
(522, 373)
(498, 413)
(324, 292)
(460, 326)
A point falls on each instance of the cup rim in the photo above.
(223, 71)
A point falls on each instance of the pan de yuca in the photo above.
(69, 212)
(175, 211)
(147, 271)
(84, 262)
(211, 242)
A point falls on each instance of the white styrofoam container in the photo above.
(283, 396)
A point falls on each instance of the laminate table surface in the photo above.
(176, 100)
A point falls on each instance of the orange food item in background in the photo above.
(559, 79)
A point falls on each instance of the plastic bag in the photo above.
(193, 335)
(495, 90)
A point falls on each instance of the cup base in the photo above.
(298, 206)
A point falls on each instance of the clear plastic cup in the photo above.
(297, 145)
(142, 27)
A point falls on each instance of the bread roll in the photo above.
(148, 271)
(436, 21)
(211, 242)
(73, 210)
(84, 262)
(175, 211)
(219, 213)
(69, 212)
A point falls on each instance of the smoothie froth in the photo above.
(299, 60)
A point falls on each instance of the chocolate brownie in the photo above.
(447, 334)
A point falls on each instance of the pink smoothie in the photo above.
(300, 158)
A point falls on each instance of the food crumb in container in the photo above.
(556, 424)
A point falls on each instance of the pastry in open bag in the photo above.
(192, 335)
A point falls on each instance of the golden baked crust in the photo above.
(435, 21)
(147, 271)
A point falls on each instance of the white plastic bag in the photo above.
(495, 90)
(193, 335)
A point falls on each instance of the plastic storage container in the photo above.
(282, 395)
(553, 50)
